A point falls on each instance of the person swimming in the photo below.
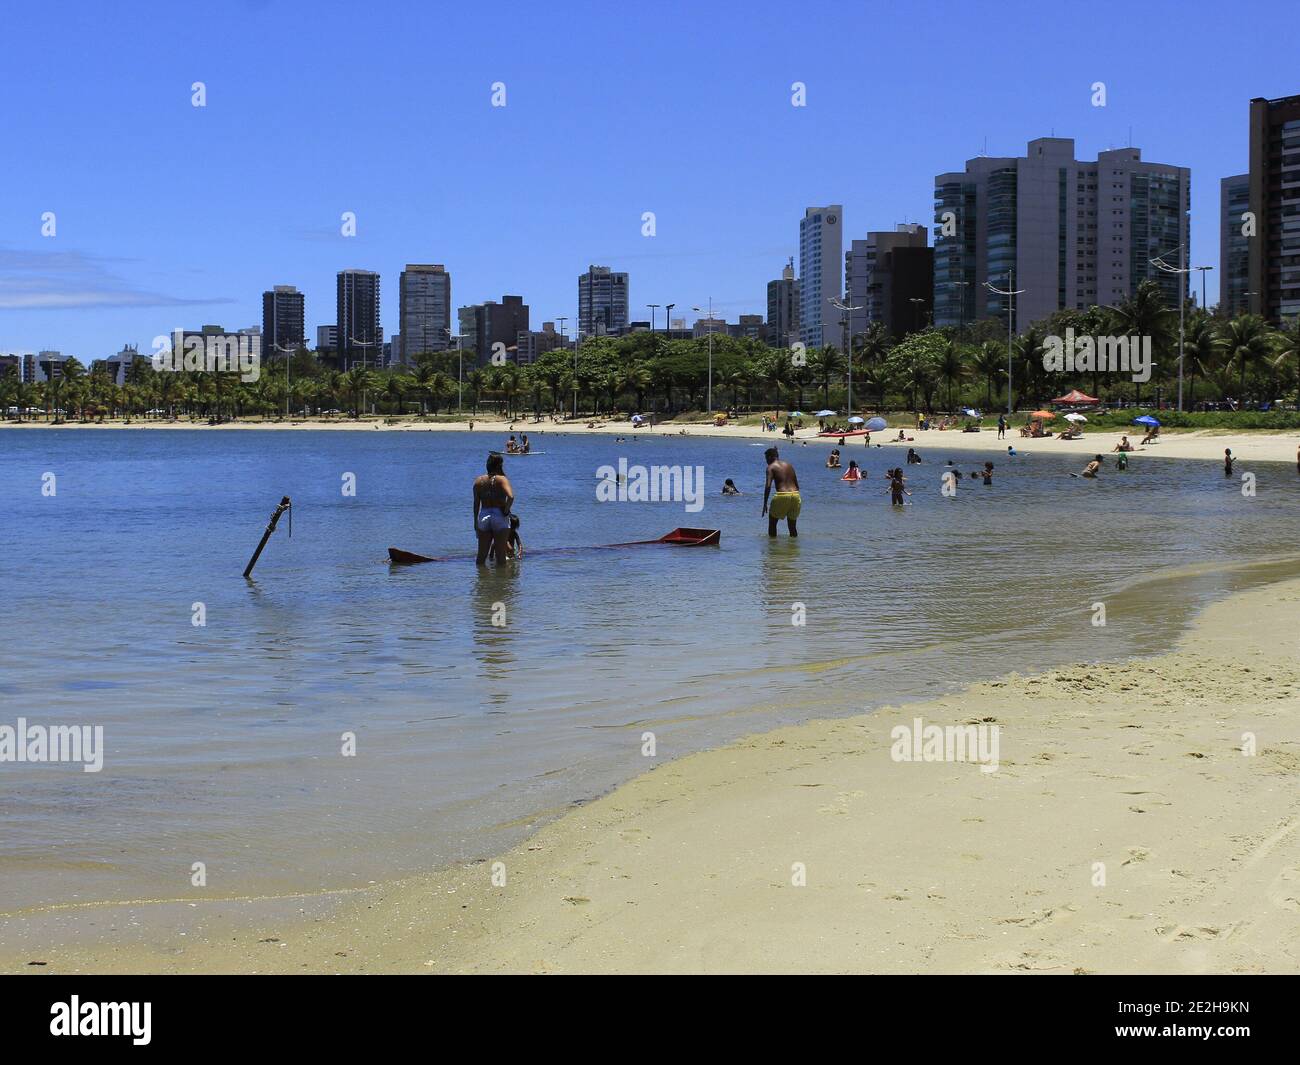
(729, 488)
(833, 459)
(912, 456)
(852, 473)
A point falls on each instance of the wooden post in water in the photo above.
(270, 528)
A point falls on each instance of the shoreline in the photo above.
(910, 866)
(1258, 445)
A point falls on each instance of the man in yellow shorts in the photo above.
(786, 504)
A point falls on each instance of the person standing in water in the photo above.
(493, 498)
(1227, 462)
(1093, 467)
(787, 502)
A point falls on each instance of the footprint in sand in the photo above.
(1284, 892)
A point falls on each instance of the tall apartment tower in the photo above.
(1275, 201)
(491, 328)
(424, 311)
(890, 279)
(1234, 244)
(360, 338)
(1071, 233)
(284, 320)
(783, 308)
(602, 301)
(821, 274)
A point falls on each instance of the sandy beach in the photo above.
(1142, 817)
(1247, 446)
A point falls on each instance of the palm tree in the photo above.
(952, 365)
(1247, 341)
(1288, 349)
(395, 388)
(477, 381)
(825, 364)
(1202, 346)
(357, 381)
(990, 363)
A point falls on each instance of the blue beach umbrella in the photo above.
(876, 425)
(825, 414)
(1145, 419)
(855, 420)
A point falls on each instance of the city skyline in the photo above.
(147, 241)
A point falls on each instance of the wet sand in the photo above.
(1127, 828)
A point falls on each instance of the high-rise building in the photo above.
(284, 319)
(492, 328)
(1234, 245)
(327, 337)
(360, 338)
(530, 345)
(783, 308)
(1275, 201)
(821, 274)
(705, 326)
(890, 279)
(749, 327)
(424, 306)
(1071, 233)
(602, 302)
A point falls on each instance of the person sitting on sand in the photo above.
(787, 503)
(1093, 467)
(901, 437)
(852, 473)
(833, 459)
(493, 498)
(912, 457)
(729, 488)
(1152, 433)
(1123, 445)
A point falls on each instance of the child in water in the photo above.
(1227, 462)
(897, 487)
(729, 488)
(852, 473)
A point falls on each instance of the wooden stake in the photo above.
(275, 518)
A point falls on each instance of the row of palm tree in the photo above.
(1242, 358)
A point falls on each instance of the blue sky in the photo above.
(170, 215)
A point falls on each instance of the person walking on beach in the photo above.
(493, 497)
(787, 502)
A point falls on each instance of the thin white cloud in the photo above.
(73, 280)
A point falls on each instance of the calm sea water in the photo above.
(223, 741)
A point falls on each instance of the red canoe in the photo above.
(851, 432)
(679, 537)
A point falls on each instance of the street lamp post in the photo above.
(1182, 270)
(1011, 294)
(288, 352)
(710, 352)
(564, 340)
(668, 318)
(1203, 270)
(653, 307)
(846, 310)
(363, 345)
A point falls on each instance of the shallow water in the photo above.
(223, 741)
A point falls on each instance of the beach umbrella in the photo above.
(1075, 396)
(796, 414)
(971, 412)
(1043, 415)
(1075, 418)
(1145, 419)
(855, 420)
(876, 425)
(825, 414)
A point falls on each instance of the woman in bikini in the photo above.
(493, 497)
